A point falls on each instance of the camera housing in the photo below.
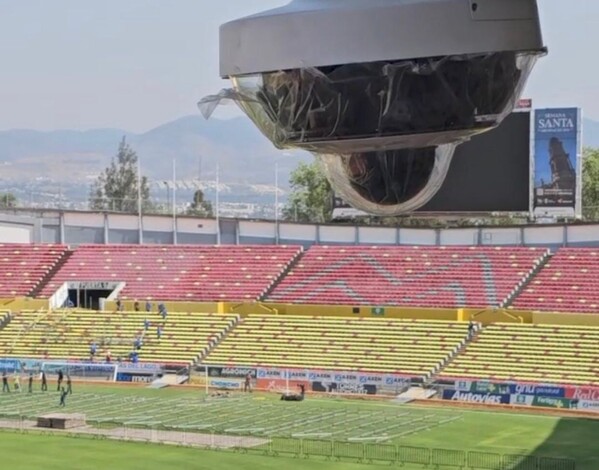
(381, 91)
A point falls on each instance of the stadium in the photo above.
(376, 332)
(141, 340)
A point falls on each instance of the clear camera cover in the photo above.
(317, 109)
(385, 132)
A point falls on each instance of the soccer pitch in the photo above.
(340, 420)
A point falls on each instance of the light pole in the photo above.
(139, 205)
(277, 203)
(217, 204)
(174, 201)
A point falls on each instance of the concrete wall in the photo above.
(75, 228)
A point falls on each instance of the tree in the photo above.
(8, 201)
(590, 184)
(199, 206)
(311, 197)
(115, 189)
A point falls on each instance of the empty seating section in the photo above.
(408, 347)
(568, 283)
(178, 273)
(69, 335)
(536, 353)
(24, 266)
(408, 276)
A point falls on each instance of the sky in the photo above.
(136, 64)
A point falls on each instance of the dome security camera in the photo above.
(382, 91)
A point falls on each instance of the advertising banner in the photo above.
(583, 393)
(135, 378)
(472, 397)
(331, 381)
(231, 372)
(277, 385)
(538, 390)
(344, 387)
(226, 384)
(545, 402)
(80, 369)
(557, 162)
(511, 389)
(484, 387)
(584, 405)
(10, 365)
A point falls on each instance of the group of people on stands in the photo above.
(138, 341)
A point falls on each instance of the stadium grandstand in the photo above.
(405, 347)
(69, 335)
(378, 309)
(531, 353)
(176, 272)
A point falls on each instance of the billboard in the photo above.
(475, 397)
(334, 382)
(489, 173)
(511, 388)
(557, 162)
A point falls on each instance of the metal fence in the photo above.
(344, 451)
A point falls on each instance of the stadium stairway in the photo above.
(283, 274)
(48, 277)
(214, 343)
(523, 285)
(456, 354)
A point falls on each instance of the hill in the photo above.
(244, 154)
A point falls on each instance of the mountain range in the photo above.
(73, 159)
(243, 153)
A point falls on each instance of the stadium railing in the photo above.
(343, 451)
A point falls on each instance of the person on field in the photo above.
(69, 385)
(5, 387)
(63, 397)
(247, 386)
(17, 381)
(30, 383)
(60, 379)
(44, 382)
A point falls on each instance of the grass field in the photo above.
(265, 416)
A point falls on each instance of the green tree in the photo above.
(8, 201)
(115, 189)
(200, 207)
(590, 184)
(311, 197)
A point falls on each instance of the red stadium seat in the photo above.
(408, 276)
(179, 273)
(567, 284)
